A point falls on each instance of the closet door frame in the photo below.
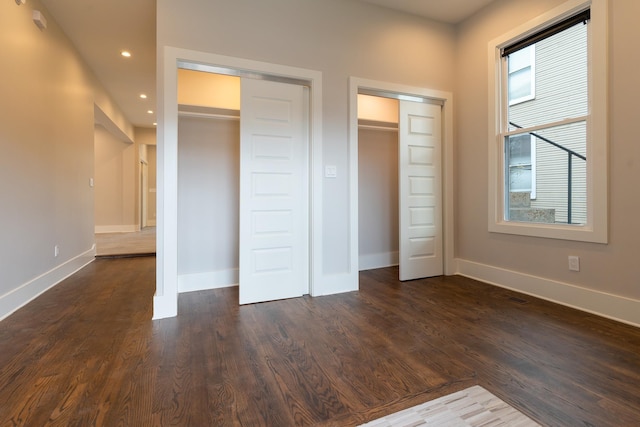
(403, 92)
(165, 301)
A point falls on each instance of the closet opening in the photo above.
(378, 222)
(208, 180)
(400, 184)
(243, 185)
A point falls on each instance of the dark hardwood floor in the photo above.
(87, 354)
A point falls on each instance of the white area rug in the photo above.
(474, 406)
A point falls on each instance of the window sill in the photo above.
(580, 233)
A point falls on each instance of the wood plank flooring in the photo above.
(87, 354)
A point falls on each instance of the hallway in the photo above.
(121, 244)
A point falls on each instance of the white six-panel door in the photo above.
(420, 176)
(274, 207)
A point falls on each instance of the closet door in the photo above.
(420, 176)
(274, 207)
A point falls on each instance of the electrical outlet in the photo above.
(574, 263)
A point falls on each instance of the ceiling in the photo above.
(101, 29)
(449, 11)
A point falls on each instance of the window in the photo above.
(548, 140)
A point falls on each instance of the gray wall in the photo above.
(46, 140)
(606, 268)
(338, 38)
(378, 226)
(343, 39)
(208, 194)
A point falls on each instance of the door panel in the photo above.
(421, 252)
(274, 217)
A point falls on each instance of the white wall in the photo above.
(608, 276)
(340, 39)
(46, 141)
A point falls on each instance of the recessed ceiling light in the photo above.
(155, 124)
(143, 96)
(126, 54)
(150, 111)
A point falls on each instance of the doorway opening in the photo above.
(378, 203)
(243, 184)
(405, 196)
(165, 302)
(399, 151)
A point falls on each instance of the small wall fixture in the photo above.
(39, 20)
(19, 2)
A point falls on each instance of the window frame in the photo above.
(596, 227)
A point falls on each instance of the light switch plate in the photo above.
(330, 171)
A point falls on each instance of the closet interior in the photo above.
(378, 222)
(208, 179)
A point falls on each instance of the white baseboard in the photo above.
(207, 280)
(131, 228)
(611, 306)
(165, 306)
(381, 260)
(30, 290)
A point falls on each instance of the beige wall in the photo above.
(340, 39)
(46, 141)
(116, 181)
(378, 109)
(208, 90)
(145, 136)
(610, 268)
